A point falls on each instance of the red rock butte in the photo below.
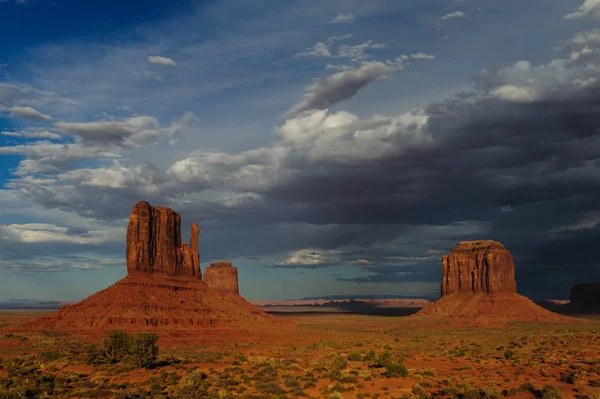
(222, 277)
(478, 266)
(163, 290)
(479, 287)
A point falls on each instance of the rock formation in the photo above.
(478, 266)
(222, 277)
(154, 242)
(163, 291)
(585, 297)
(479, 288)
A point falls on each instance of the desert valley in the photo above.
(167, 330)
(332, 199)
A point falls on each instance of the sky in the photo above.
(337, 147)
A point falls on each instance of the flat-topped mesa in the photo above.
(222, 277)
(478, 266)
(154, 242)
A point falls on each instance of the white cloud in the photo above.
(27, 113)
(514, 93)
(359, 52)
(33, 133)
(131, 132)
(40, 232)
(310, 258)
(318, 50)
(455, 14)
(157, 59)
(343, 18)
(48, 157)
(341, 86)
(343, 138)
(422, 56)
(589, 8)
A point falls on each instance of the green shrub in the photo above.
(550, 392)
(143, 350)
(395, 370)
(355, 357)
(116, 346)
(339, 363)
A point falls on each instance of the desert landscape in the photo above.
(332, 199)
(167, 330)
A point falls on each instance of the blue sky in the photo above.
(331, 147)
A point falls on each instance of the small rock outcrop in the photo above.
(154, 242)
(222, 277)
(585, 296)
(478, 266)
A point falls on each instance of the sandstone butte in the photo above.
(222, 277)
(479, 287)
(163, 290)
(585, 297)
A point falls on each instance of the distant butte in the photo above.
(222, 277)
(163, 290)
(479, 287)
(478, 266)
(585, 297)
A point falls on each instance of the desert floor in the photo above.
(329, 356)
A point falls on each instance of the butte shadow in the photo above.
(479, 288)
(163, 291)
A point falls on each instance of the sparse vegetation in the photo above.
(390, 364)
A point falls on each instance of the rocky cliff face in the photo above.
(222, 277)
(478, 266)
(154, 242)
(585, 296)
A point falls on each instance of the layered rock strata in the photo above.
(478, 266)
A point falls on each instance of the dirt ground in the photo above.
(329, 355)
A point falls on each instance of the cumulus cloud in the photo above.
(343, 85)
(309, 259)
(455, 14)
(343, 18)
(48, 157)
(157, 59)
(589, 8)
